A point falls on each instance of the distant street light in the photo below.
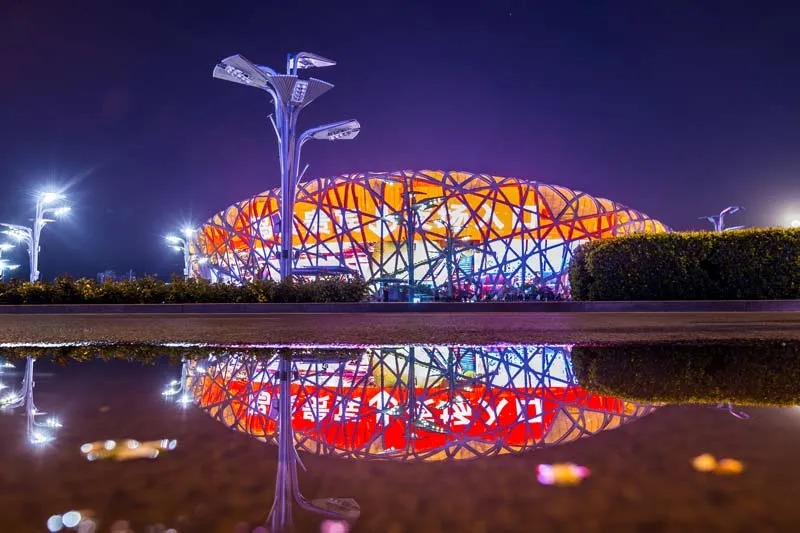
(31, 235)
(184, 244)
(795, 223)
(719, 220)
(289, 96)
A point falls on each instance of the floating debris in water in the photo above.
(561, 474)
(126, 449)
(709, 463)
(704, 463)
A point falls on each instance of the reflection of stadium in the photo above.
(466, 402)
(465, 234)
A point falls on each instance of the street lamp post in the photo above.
(719, 220)
(290, 95)
(31, 235)
(183, 244)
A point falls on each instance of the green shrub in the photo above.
(759, 264)
(739, 372)
(150, 290)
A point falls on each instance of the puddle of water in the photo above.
(394, 438)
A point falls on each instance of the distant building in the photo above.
(110, 275)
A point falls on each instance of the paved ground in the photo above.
(641, 482)
(399, 328)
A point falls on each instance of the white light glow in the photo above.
(795, 223)
(54, 523)
(62, 211)
(172, 239)
(50, 197)
(188, 232)
(39, 437)
(71, 518)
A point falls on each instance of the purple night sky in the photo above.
(676, 108)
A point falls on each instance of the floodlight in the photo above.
(238, 69)
(62, 211)
(50, 197)
(732, 209)
(172, 239)
(188, 231)
(795, 223)
(5, 246)
(310, 60)
(336, 131)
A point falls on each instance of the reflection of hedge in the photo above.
(739, 372)
(759, 264)
(149, 353)
(148, 290)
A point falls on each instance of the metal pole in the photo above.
(34, 244)
(450, 244)
(288, 120)
(410, 231)
(187, 261)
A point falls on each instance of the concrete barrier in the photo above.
(726, 306)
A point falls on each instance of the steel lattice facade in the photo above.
(411, 403)
(462, 232)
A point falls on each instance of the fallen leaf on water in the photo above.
(729, 467)
(704, 463)
(561, 474)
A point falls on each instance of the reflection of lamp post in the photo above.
(31, 235)
(178, 387)
(289, 96)
(24, 397)
(5, 265)
(286, 484)
(719, 220)
(4, 247)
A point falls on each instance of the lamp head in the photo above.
(50, 197)
(172, 239)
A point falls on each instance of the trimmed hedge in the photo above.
(763, 373)
(149, 290)
(758, 264)
(150, 353)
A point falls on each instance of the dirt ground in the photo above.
(400, 328)
(641, 481)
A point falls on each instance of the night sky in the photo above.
(675, 108)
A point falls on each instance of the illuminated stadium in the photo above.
(466, 235)
(409, 403)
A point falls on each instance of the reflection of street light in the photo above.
(4, 265)
(30, 235)
(37, 432)
(719, 220)
(289, 96)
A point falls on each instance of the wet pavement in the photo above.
(457, 462)
(470, 328)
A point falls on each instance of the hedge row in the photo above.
(150, 353)
(149, 290)
(739, 372)
(759, 264)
